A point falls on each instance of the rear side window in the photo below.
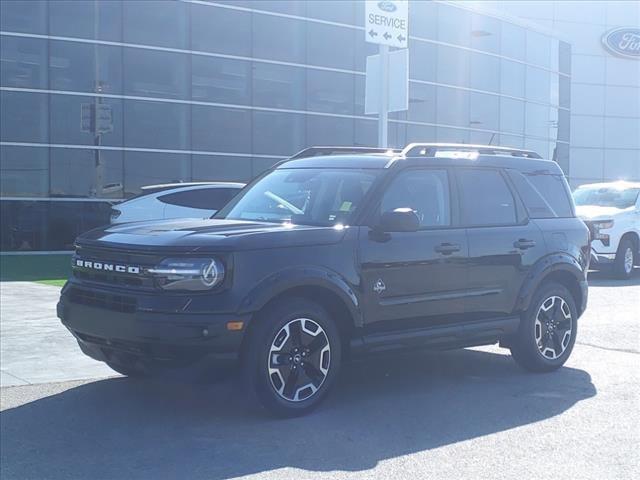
(203, 198)
(485, 198)
(545, 196)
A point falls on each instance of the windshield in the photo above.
(606, 196)
(302, 196)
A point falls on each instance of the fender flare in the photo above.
(303, 276)
(557, 262)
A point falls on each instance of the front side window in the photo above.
(426, 192)
(606, 196)
(309, 196)
(485, 198)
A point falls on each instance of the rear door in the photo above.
(503, 243)
(415, 279)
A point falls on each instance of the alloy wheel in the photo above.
(553, 327)
(628, 260)
(299, 359)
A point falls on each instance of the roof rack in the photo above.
(323, 151)
(432, 149)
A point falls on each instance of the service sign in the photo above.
(387, 22)
(624, 42)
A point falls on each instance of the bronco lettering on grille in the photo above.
(107, 267)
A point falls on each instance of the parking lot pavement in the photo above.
(461, 414)
(35, 347)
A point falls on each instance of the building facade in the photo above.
(198, 90)
(605, 82)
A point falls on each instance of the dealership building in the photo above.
(101, 97)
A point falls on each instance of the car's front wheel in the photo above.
(547, 331)
(292, 357)
(625, 259)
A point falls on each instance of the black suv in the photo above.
(337, 252)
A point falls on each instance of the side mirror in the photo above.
(399, 220)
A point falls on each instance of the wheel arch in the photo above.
(559, 268)
(635, 238)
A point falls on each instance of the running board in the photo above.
(442, 337)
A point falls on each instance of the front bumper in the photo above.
(175, 339)
(600, 259)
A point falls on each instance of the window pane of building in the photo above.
(538, 49)
(142, 168)
(152, 73)
(155, 22)
(81, 18)
(484, 111)
(278, 38)
(330, 91)
(23, 62)
(220, 80)
(25, 17)
(484, 72)
(536, 120)
(453, 66)
(24, 172)
(422, 103)
(278, 86)
(485, 33)
(232, 32)
(323, 130)
(422, 60)
(276, 133)
(220, 168)
(217, 129)
(511, 115)
(538, 85)
(24, 117)
(156, 125)
(66, 125)
(365, 133)
(452, 135)
(86, 173)
(512, 41)
(453, 107)
(330, 45)
(454, 25)
(512, 78)
(335, 11)
(75, 67)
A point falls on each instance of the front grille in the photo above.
(108, 301)
(141, 280)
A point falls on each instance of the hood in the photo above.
(202, 235)
(595, 212)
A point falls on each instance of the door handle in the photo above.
(523, 243)
(447, 248)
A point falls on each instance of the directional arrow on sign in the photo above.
(401, 38)
(386, 36)
(373, 33)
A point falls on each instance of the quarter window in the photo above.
(485, 198)
(426, 192)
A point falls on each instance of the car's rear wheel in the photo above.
(547, 331)
(625, 259)
(292, 357)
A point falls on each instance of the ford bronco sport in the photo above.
(337, 252)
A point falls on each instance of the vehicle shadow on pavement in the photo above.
(383, 407)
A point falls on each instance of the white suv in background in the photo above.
(180, 200)
(612, 212)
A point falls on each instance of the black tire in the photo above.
(620, 267)
(265, 369)
(527, 349)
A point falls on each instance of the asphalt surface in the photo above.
(462, 414)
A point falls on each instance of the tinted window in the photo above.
(485, 198)
(155, 23)
(554, 189)
(426, 192)
(23, 62)
(78, 18)
(24, 171)
(204, 198)
(21, 16)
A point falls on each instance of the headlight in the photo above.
(602, 225)
(188, 273)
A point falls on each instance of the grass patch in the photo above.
(54, 283)
(49, 269)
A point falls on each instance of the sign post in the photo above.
(386, 24)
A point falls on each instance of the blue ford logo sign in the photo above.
(624, 42)
(387, 7)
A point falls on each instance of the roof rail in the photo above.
(322, 151)
(431, 149)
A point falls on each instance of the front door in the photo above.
(415, 279)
